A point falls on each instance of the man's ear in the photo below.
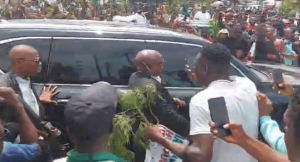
(205, 70)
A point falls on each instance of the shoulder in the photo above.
(201, 98)
(245, 84)
(20, 152)
(140, 79)
(4, 80)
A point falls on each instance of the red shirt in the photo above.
(251, 28)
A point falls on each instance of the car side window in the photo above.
(86, 61)
(176, 56)
(41, 45)
(234, 72)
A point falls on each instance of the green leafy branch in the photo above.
(132, 104)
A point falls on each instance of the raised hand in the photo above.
(48, 94)
(8, 95)
(264, 104)
(284, 88)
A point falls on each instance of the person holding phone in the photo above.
(237, 102)
(29, 149)
(261, 151)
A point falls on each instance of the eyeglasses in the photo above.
(6, 132)
(162, 61)
(37, 59)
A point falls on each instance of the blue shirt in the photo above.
(271, 132)
(18, 152)
(288, 51)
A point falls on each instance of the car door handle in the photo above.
(62, 101)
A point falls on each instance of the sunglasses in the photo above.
(37, 59)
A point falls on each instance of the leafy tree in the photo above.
(132, 105)
(289, 8)
(173, 5)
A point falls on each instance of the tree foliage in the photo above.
(131, 122)
(289, 8)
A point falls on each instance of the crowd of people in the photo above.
(253, 37)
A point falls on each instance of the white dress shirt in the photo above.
(157, 78)
(28, 94)
(202, 18)
(139, 19)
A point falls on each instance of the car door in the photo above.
(41, 44)
(76, 63)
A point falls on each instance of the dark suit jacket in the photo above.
(7, 114)
(233, 45)
(166, 110)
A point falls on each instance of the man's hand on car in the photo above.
(179, 102)
(237, 133)
(264, 104)
(284, 88)
(48, 93)
(188, 70)
(8, 95)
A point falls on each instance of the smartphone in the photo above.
(219, 115)
(277, 76)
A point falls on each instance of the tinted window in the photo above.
(86, 61)
(176, 56)
(234, 72)
(42, 45)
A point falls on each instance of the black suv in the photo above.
(77, 53)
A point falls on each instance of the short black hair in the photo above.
(217, 54)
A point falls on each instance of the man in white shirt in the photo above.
(139, 18)
(202, 16)
(211, 71)
(25, 63)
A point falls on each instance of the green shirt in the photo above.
(74, 156)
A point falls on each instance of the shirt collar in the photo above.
(157, 78)
(19, 79)
(96, 156)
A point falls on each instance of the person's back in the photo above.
(241, 103)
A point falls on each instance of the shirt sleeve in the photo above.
(272, 134)
(199, 118)
(19, 152)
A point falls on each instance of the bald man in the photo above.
(149, 64)
(26, 63)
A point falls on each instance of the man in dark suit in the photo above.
(150, 65)
(25, 63)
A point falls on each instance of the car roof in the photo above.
(92, 25)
